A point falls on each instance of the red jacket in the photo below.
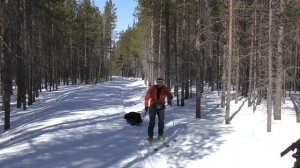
(151, 95)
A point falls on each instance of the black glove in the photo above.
(170, 102)
(146, 109)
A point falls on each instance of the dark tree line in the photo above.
(44, 44)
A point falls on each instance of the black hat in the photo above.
(160, 78)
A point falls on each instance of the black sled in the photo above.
(133, 118)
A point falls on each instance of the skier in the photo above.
(155, 103)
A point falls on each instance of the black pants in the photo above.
(161, 118)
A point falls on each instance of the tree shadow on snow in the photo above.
(195, 138)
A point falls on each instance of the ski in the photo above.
(151, 143)
(155, 148)
(164, 142)
(159, 147)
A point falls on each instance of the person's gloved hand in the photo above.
(146, 109)
(170, 102)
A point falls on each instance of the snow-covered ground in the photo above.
(82, 126)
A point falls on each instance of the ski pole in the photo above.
(145, 114)
(139, 131)
(173, 122)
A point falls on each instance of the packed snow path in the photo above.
(82, 126)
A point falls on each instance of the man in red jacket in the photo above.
(155, 103)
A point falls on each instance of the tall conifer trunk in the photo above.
(279, 70)
(228, 95)
(270, 78)
(198, 55)
(167, 57)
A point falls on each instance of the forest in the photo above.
(47, 43)
(246, 48)
(243, 48)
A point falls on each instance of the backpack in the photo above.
(133, 118)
